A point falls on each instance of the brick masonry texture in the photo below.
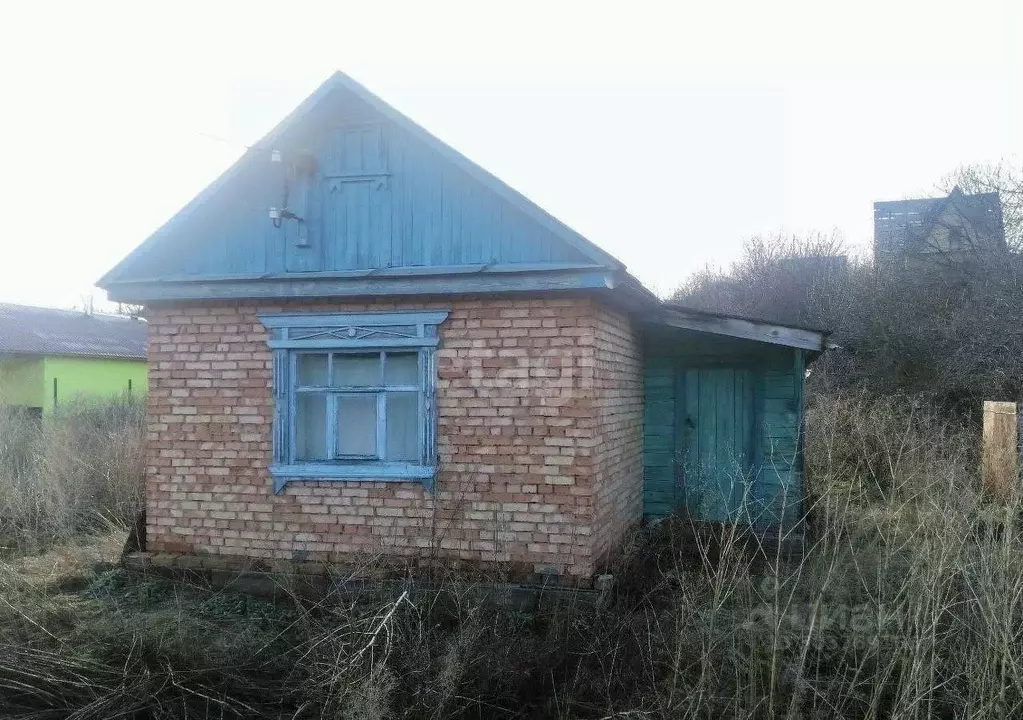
(539, 440)
(618, 461)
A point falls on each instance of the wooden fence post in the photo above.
(1000, 453)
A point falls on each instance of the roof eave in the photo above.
(299, 286)
(35, 354)
(744, 328)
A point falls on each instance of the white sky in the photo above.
(664, 132)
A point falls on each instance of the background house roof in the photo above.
(26, 330)
(900, 223)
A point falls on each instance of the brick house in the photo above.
(362, 344)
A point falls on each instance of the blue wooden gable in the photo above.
(368, 203)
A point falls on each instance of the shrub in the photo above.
(874, 446)
(946, 332)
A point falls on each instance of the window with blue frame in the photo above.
(354, 396)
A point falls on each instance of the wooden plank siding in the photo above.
(372, 196)
(680, 381)
(779, 487)
(714, 437)
(660, 491)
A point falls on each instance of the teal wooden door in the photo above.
(715, 441)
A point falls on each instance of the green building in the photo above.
(50, 356)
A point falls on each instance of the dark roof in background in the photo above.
(26, 330)
(894, 219)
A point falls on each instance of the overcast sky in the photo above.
(666, 133)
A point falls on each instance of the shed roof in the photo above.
(738, 326)
(27, 330)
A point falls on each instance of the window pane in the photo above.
(310, 426)
(402, 369)
(403, 426)
(357, 425)
(311, 369)
(356, 370)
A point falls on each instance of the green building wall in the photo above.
(44, 382)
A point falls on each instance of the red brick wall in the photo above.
(531, 475)
(618, 461)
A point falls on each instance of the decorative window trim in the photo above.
(340, 332)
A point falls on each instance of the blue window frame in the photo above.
(354, 396)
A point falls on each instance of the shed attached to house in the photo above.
(723, 417)
(362, 344)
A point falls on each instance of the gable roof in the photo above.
(492, 182)
(133, 269)
(27, 330)
(983, 211)
(898, 222)
(143, 276)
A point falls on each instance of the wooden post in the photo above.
(1000, 454)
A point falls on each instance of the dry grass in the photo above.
(907, 603)
(76, 471)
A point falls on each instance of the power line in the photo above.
(211, 136)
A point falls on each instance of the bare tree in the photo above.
(952, 335)
(131, 310)
(782, 278)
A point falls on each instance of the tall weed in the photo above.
(72, 471)
(900, 596)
